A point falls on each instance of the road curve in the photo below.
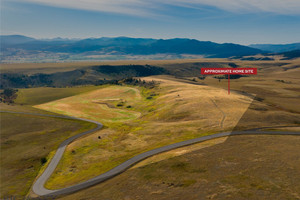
(38, 186)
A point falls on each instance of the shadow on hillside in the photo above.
(259, 114)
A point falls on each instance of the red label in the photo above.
(228, 71)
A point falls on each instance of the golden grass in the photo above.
(33, 96)
(25, 140)
(178, 152)
(177, 111)
(284, 95)
(242, 167)
(92, 105)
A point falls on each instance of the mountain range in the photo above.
(18, 48)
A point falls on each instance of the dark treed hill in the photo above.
(129, 70)
(192, 69)
(104, 74)
(12, 80)
(276, 48)
(95, 75)
(288, 55)
(291, 54)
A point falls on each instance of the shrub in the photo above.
(8, 95)
(120, 104)
(43, 160)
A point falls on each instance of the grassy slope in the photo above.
(243, 167)
(31, 138)
(267, 84)
(33, 96)
(178, 112)
(140, 132)
(25, 143)
(188, 110)
(96, 105)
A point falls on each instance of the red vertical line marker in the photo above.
(228, 83)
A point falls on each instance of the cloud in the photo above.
(155, 7)
(240, 6)
(129, 7)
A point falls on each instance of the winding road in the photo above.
(38, 186)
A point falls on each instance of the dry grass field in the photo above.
(137, 119)
(99, 105)
(275, 85)
(188, 110)
(178, 112)
(25, 140)
(33, 96)
(242, 167)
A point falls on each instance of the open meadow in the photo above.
(188, 110)
(27, 141)
(182, 105)
(241, 167)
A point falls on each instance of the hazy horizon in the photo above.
(227, 21)
(83, 38)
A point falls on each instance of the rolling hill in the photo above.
(279, 48)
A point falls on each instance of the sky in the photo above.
(222, 21)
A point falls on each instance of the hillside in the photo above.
(136, 118)
(276, 47)
(289, 54)
(101, 74)
(95, 75)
